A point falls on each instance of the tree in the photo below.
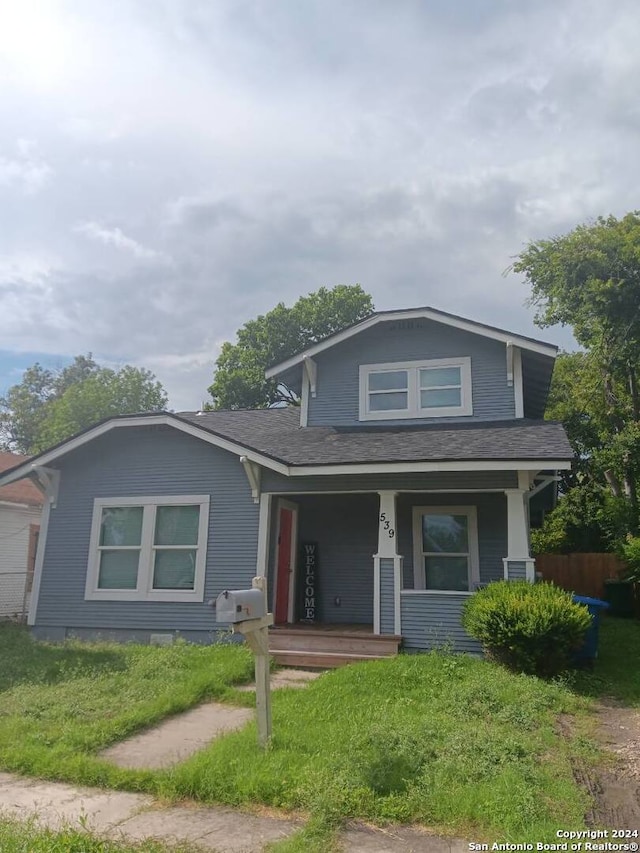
(103, 394)
(48, 406)
(239, 381)
(22, 409)
(589, 279)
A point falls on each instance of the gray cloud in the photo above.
(170, 169)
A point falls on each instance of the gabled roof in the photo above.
(426, 313)
(23, 492)
(277, 433)
(274, 439)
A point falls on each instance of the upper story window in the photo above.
(416, 389)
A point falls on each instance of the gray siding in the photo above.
(56, 634)
(346, 530)
(337, 397)
(145, 461)
(387, 610)
(442, 481)
(432, 621)
(517, 570)
(492, 529)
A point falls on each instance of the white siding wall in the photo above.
(14, 548)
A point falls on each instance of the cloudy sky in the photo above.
(171, 168)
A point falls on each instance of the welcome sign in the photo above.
(309, 595)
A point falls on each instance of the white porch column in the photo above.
(518, 563)
(264, 526)
(387, 570)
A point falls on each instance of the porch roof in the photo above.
(277, 433)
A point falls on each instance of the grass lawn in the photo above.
(449, 741)
(617, 671)
(18, 837)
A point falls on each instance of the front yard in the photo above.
(449, 741)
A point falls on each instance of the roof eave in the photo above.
(553, 463)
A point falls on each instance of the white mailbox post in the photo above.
(246, 610)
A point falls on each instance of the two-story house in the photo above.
(399, 485)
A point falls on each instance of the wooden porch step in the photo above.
(322, 649)
(319, 660)
(338, 642)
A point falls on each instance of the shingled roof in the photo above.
(277, 433)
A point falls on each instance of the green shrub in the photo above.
(587, 518)
(530, 628)
(631, 554)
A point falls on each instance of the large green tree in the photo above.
(239, 381)
(589, 279)
(48, 406)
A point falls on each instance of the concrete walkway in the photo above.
(215, 829)
(179, 737)
(136, 816)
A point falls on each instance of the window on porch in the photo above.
(445, 545)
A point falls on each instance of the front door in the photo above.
(285, 575)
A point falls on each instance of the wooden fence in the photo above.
(583, 574)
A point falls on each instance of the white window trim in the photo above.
(419, 580)
(144, 591)
(414, 409)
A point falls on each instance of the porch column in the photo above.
(264, 527)
(518, 564)
(387, 570)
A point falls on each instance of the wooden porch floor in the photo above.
(322, 646)
(315, 627)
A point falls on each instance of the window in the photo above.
(151, 549)
(416, 389)
(445, 548)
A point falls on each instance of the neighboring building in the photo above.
(401, 483)
(20, 511)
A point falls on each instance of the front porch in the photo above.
(352, 574)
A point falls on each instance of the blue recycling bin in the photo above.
(588, 651)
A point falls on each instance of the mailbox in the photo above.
(238, 605)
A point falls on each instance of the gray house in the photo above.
(399, 485)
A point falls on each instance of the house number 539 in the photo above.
(386, 524)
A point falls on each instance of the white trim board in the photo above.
(436, 592)
(414, 314)
(420, 467)
(518, 385)
(39, 562)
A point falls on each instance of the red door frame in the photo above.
(285, 568)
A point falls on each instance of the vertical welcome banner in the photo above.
(309, 584)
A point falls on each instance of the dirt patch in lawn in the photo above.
(614, 786)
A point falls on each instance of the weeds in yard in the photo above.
(21, 837)
(449, 741)
(62, 704)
